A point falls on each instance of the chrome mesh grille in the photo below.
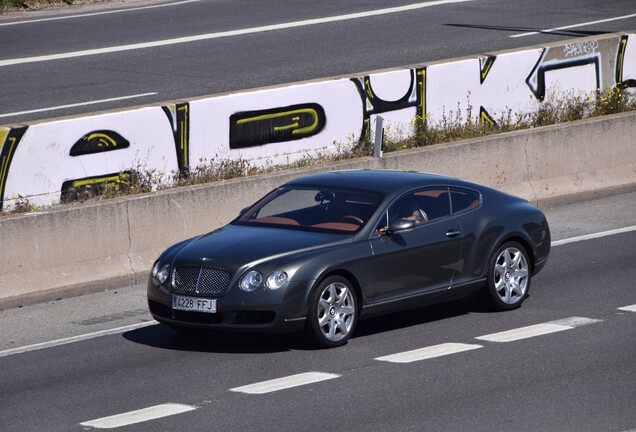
(200, 280)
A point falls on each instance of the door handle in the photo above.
(452, 233)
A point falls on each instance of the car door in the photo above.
(466, 209)
(417, 260)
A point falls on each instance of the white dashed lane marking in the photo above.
(285, 383)
(538, 329)
(631, 308)
(73, 339)
(585, 24)
(139, 416)
(428, 352)
(594, 235)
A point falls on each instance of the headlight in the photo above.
(276, 280)
(251, 281)
(160, 273)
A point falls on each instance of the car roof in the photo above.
(384, 181)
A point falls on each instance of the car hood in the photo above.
(234, 246)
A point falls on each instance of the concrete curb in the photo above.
(72, 250)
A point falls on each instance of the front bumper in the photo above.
(260, 311)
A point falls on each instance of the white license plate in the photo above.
(193, 304)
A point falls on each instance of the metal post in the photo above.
(379, 137)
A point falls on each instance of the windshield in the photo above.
(315, 208)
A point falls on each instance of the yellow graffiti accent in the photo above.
(108, 179)
(103, 140)
(291, 126)
(183, 139)
(485, 117)
(621, 58)
(3, 137)
(297, 130)
(367, 84)
(422, 84)
(485, 71)
(4, 164)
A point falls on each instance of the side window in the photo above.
(434, 202)
(464, 200)
(405, 208)
(425, 205)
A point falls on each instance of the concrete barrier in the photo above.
(76, 249)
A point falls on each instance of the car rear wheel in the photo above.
(508, 276)
(332, 312)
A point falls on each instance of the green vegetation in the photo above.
(451, 127)
(23, 205)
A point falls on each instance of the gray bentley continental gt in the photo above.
(320, 252)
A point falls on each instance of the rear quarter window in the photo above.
(464, 200)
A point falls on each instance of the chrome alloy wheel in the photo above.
(511, 275)
(336, 311)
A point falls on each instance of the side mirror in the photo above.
(243, 211)
(400, 225)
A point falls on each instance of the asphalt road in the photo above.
(575, 370)
(239, 54)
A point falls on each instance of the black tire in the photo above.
(332, 312)
(509, 277)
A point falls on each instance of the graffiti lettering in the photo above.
(86, 188)
(485, 66)
(9, 140)
(179, 117)
(623, 63)
(396, 95)
(257, 128)
(537, 78)
(97, 142)
(581, 48)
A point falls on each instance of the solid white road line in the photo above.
(285, 383)
(594, 235)
(74, 339)
(538, 329)
(574, 26)
(428, 352)
(208, 36)
(631, 308)
(142, 415)
(77, 104)
(96, 13)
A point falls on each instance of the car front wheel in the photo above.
(332, 312)
(508, 276)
